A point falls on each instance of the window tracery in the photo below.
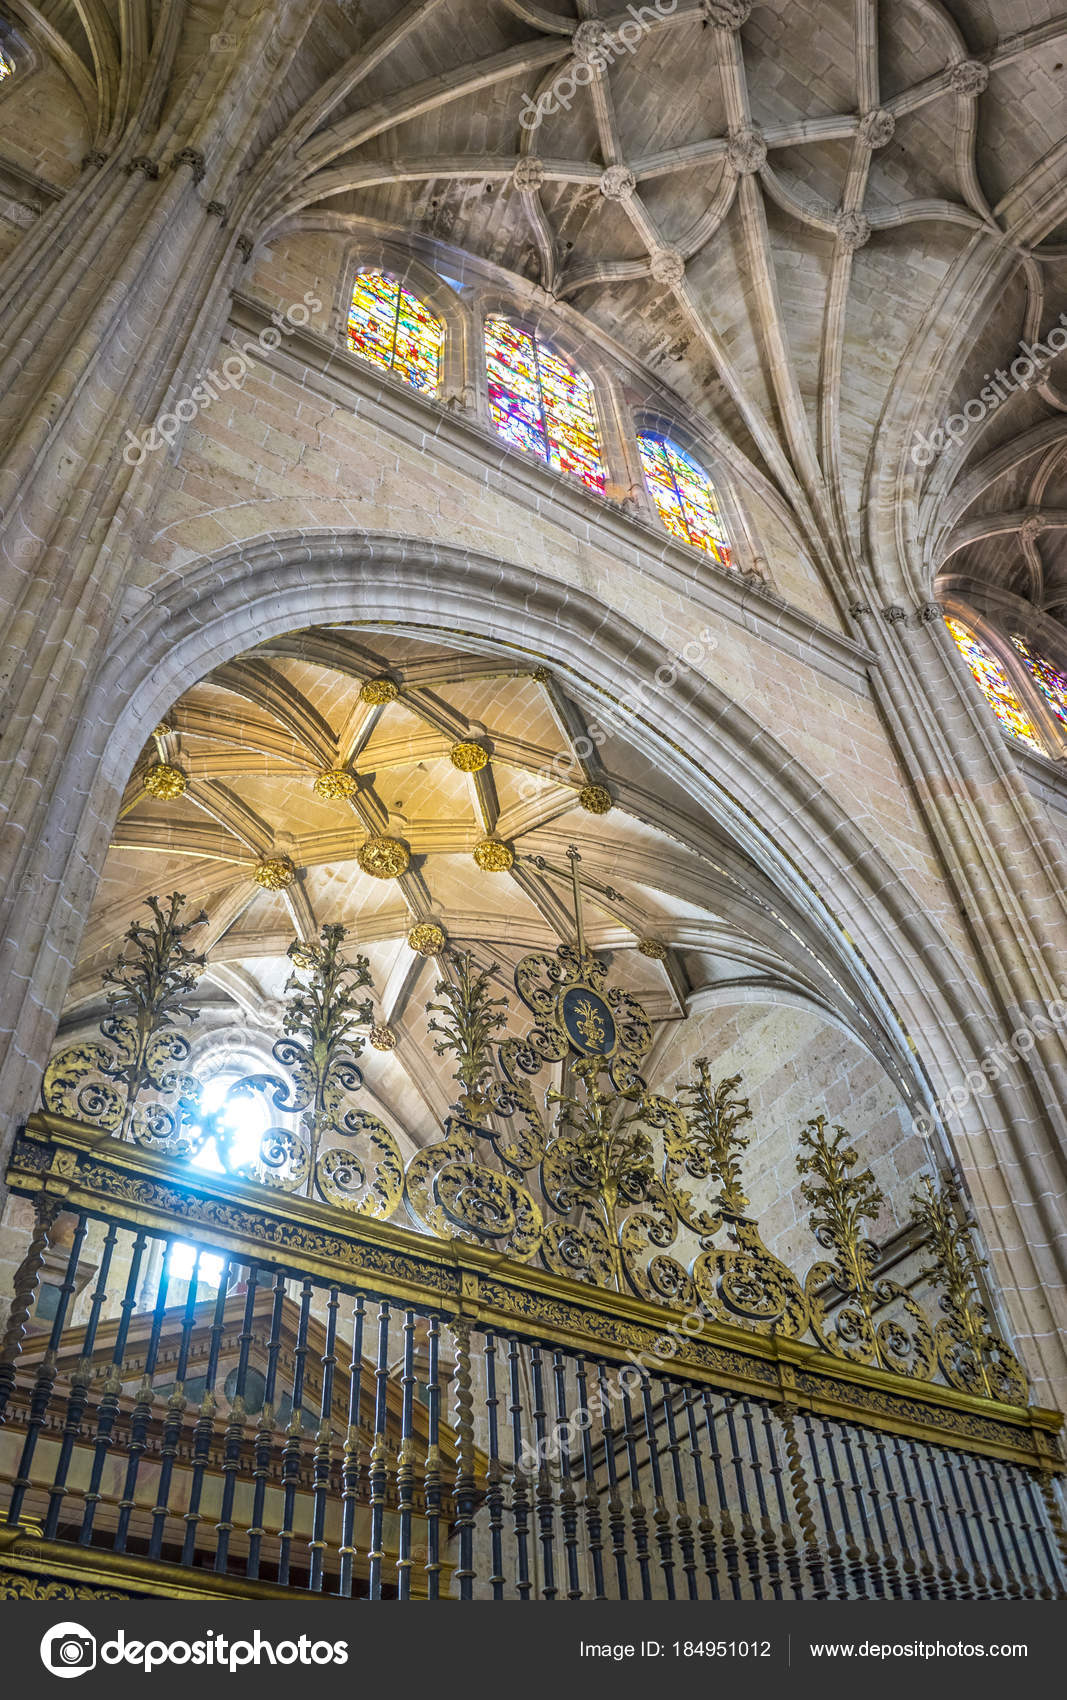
(684, 496)
(540, 404)
(394, 330)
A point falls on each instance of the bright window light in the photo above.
(245, 1117)
(182, 1261)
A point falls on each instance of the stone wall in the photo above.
(794, 1064)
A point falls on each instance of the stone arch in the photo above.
(751, 785)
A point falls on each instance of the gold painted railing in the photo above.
(279, 1419)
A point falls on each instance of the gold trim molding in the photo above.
(50, 1572)
(85, 1168)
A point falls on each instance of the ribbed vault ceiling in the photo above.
(821, 228)
(819, 223)
(253, 737)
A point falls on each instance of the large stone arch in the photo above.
(755, 788)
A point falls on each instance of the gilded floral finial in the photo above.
(471, 1018)
(715, 1117)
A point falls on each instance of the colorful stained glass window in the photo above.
(685, 497)
(1051, 681)
(6, 67)
(540, 404)
(395, 330)
(995, 685)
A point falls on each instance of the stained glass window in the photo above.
(395, 330)
(539, 404)
(6, 67)
(995, 685)
(1051, 681)
(685, 497)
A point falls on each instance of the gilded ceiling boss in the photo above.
(534, 735)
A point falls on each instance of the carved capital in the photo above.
(142, 163)
(194, 159)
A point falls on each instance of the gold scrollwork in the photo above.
(972, 1354)
(597, 1178)
(14, 1585)
(319, 1053)
(139, 1061)
(574, 1010)
(851, 1322)
(746, 1284)
(455, 1196)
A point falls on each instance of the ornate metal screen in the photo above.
(598, 1179)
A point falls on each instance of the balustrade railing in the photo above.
(275, 1393)
(549, 1356)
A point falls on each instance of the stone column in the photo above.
(110, 313)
